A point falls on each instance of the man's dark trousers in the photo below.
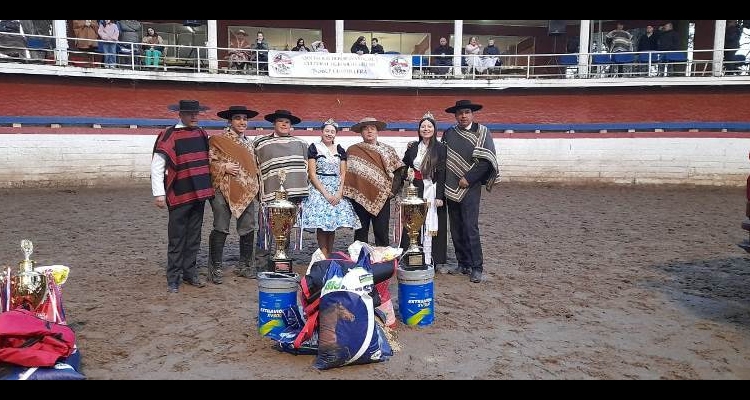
(464, 218)
(184, 233)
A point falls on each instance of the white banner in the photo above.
(297, 64)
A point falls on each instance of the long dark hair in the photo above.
(430, 160)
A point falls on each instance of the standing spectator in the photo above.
(428, 157)
(130, 35)
(360, 46)
(240, 52)
(619, 40)
(732, 35)
(261, 53)
(180, 180)
(648, 43)
(84, 29)
(319, 46)
(326, 209)
(374, 175)
(668, 40)
(376, 47)
(154, 47)
(442, 57)
(300, 45)
(280, 151)
(109, 32)
(235, 178)
(472, 163)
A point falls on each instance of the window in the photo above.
(404, 43)
(279, 38)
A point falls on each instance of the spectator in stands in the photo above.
(668, 40)
(360, 46)
(130, 33)
(491, 55)
(84, 29)
(732, 35)
(619, 40)
(442, 57)
(319, 46)
(181, 181)
(473, 50)
(300, 45)
(376, 47)
(109, 32)
(261, 54)
(153, 45)
(240, 52)
(648, 42)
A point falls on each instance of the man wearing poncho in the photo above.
(472, 162)
(374, 174)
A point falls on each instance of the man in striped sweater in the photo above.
(180, 181)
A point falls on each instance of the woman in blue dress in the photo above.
(326, 209)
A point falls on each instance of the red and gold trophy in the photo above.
(282, 216)
(413, 213)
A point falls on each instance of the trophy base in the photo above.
(280, 265)
(411, 261)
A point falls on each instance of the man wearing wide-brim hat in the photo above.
(180, 180)
(235, 177)
(280, 151)
(374, 174)
(472, 162)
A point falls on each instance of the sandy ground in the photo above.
(580, 283)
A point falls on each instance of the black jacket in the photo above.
(438, 171)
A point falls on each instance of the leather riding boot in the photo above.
(216, 242)
(247, 267)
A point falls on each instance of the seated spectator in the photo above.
(473, 50)
(442, 57)
(491, 55)
(153, 47)
(300, 45)
(239, 53)
(261, 53)
(648, 43)
(376, 47)
(732, 35)
(319, 46)
(360, 46)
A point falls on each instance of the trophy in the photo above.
(282, 216)
(413, 213)
(28, 287)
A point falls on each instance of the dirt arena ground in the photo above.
(614, 282)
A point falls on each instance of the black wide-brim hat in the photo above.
(188, 106)
(234, 110)
(282, 114)
(461, 104)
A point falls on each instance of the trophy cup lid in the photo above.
(28, 248)
(411, 192)
(281, 195)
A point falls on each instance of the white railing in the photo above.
(24, 48)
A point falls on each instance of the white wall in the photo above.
(44, 160)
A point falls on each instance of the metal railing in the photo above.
(24, 48)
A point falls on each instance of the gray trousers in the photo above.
(246, 223)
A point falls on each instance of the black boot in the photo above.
(216, 242)
(247, 267)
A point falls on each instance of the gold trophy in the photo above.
(28, 287)
(282, 216)
(413, 213)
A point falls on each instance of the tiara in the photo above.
(331, 122)
(428, 115)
